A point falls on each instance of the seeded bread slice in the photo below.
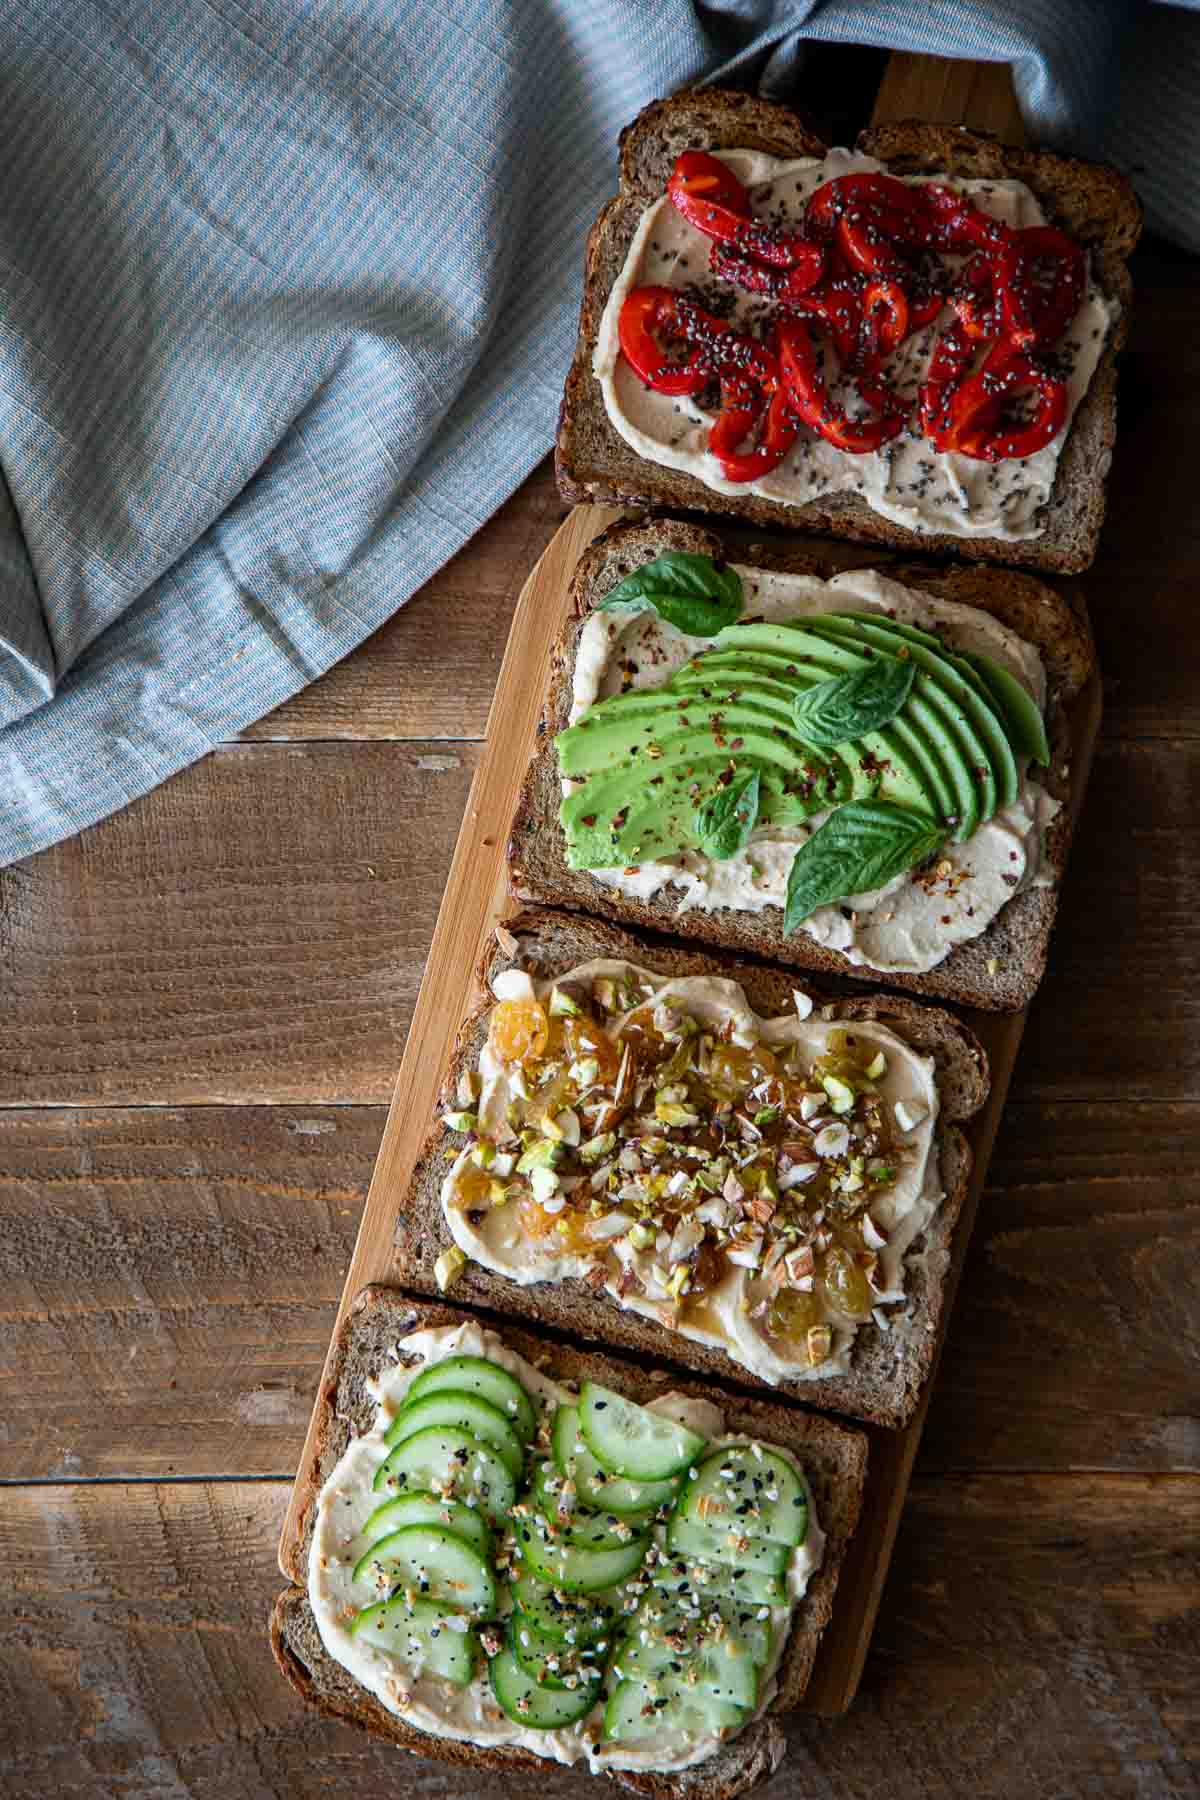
(999, 970)
(833, 1456)
(1093, 203)
(888, 1367)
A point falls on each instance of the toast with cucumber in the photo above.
(515, 1552)
(783, 752)
(660, 1149)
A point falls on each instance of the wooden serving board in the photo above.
(476, 898)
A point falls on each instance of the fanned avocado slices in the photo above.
(641, 764)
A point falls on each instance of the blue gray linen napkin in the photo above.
(287, 293)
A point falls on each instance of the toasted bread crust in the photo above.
(997, 971)
(833, 1455)
(888, 1368)
(1092, 202)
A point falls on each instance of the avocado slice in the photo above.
(1018, 708)
(978, 708)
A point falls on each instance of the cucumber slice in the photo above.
(568, 1617)
(443, 1458)
(465, 1412)
(579, 1524)
(630, 1440)
(722, 1667)
(574, 1569)
(636, 1713)
(476, 1375)
(417, 1634)
(538, 1708)
(428, 1509)
(550, 1661)
(760, 1495)
(665, 1626)
(435, 1564)
(719, 1544)
(691, 1582)
(595, 1488)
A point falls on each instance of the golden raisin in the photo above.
(519, 1031)
(732, 1069)
(791, 1313)
(843, 1283)
(587, 1039)
(471, 1186)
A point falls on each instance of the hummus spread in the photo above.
(907, 481)
(914, 922)
(470, 1714)
(640, 1265)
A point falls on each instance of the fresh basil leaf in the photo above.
(726, 819)
(690, 592)
(849, 706)
(861, 846)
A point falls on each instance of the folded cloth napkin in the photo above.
(287, 293)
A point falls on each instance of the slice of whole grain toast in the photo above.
(834, 1457)
(1090, 201)
(999, 970)
(888, 1367)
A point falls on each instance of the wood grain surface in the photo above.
(1038, 1635)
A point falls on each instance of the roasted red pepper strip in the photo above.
(952, 221)
(837, 302)
(647, 315)
(705, 177)
(733, 224)
(742, 408)
(810, 397)
(974, 299)
(885, 319)
(951, 354)
(1040, 275)
(973, 428)
(785, 285)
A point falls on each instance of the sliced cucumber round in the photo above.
(569, 1566)
(637, 1713)
(465, 1412)
(476, 1375)
(630, 1440)
(580, 1524)
(527, 1703)
(690, 1581)
(593, 1486)
(567, 1617)
(429, 1509)
(720, 1666)
(444, 1459)
(665, 1627)
(418, 1634)
(758, 1495)
(550, 1661)
(724, 1544)
(431, 1562)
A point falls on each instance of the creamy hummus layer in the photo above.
(914, 922)
(731, 1316)
(907, 481)
(470, 1714)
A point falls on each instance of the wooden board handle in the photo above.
(945, 92)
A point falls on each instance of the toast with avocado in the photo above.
(693, 1157)
(910, 344)
(862, 771)
(617, 1573)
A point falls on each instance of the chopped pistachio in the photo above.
(680, 1282)
(641, 1236)
(483, 1154)
(561, 1004)
(669, 1113)
(544, 1183)
(766, 1115)
(604, 993)
(585, 1073)
(545, 1153)
(469, 1087)
(877, 1066)
(498, 1192)
(461, 1121)
(597, 1147)
(448, 1267)
(841, 1094)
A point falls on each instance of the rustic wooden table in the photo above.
(204, 1005)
